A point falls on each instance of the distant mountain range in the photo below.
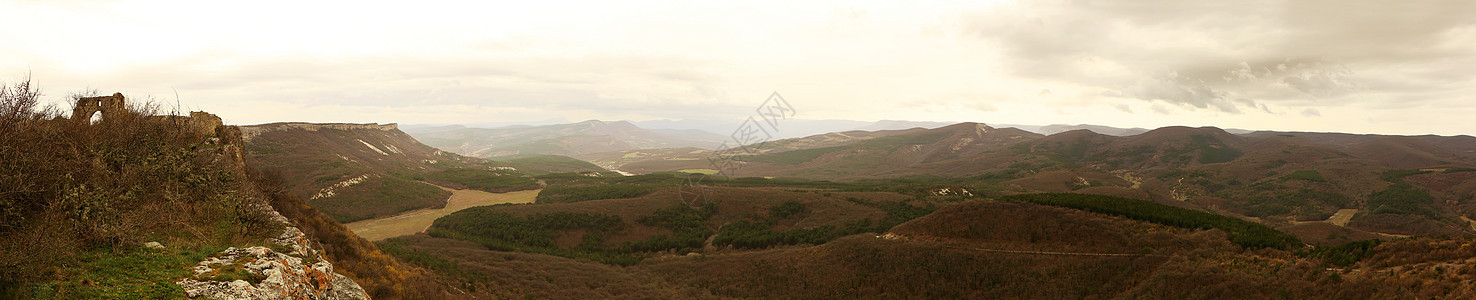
(709, 130)
(1283, 179)
(591, 136)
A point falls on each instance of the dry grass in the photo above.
(417, 221)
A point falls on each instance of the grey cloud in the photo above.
(1311, 112)
(1160, 109)
(1227, 55)
(1182, 91)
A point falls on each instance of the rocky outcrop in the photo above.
(300, 273)
(248, 132)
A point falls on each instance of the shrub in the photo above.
(1402, 198)
(380, 196)
(484, 180)
(686, 224)
(1345, 254)
(786, 210)
(570, 194)
(505, 232)
(1241, 232)
(1308, 175)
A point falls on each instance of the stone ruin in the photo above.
(110, 106)
(200, 123)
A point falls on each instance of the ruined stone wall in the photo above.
(110, 106)
(248, 132)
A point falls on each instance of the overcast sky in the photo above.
(1402, 67)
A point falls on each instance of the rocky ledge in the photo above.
(264, 273)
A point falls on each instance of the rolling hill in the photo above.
(362, 171)
(970, 249)
(1281, 179)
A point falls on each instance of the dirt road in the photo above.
(415, 221)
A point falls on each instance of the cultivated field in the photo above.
(416, 221)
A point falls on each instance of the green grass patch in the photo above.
(124, 273)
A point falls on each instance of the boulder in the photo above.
(154, 245)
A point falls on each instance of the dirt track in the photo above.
(413, 222)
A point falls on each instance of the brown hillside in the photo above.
(351, 171)
(1399, 151)
(1275, 177)
(1020, 226)
(1406, 153)
(1463, 145)
(986, 249)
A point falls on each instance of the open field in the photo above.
(416, 221)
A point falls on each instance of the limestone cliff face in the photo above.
(248, 132)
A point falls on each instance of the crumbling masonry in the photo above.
(110, 106)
